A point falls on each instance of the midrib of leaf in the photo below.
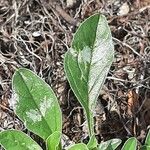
(31, 96)
(89, 113)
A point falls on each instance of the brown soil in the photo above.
(35, 34)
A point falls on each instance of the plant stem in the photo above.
(90, 121)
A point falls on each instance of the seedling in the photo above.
(86, 65)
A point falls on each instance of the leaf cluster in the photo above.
(86, 65)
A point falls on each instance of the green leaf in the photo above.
(79, 146)
(92, 143)
(110, 144)
(53, 141)
(144, 147)
(130, 144)
(17, 140)
(88, 61)
(147, 141)
(36, 104)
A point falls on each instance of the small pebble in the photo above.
(124, 9)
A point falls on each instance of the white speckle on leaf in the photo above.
(73, 52)
(16, 141)
(23, 144)
(24, 77)
(36, 114)
(27, 78)
(85, 55)
(45, 105)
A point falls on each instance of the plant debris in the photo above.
(35, 34)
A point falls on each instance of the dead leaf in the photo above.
(133, 103)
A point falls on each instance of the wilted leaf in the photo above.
(36, 104)
(88, 61)
(17, 140)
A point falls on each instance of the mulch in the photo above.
(35, 34)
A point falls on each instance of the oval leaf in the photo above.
(88, 61)
(130, 144)
(79, 146)
(17, 140)
(36, 104)
(53, 141)
(110, 144)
